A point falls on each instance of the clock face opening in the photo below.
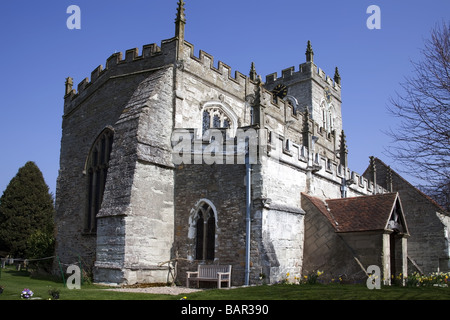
(280, 91)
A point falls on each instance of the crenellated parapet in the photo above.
(291, 154)
(118, 65)
(205, 62)
(306, 71)
(154, 57)
(310, 87)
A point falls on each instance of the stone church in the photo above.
(169, 160)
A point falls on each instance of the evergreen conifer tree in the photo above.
(26, 215)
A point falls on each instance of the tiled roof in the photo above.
(365, 213)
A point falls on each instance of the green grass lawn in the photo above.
(14, 282)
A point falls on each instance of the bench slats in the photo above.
(210, 273)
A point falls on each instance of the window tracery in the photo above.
(96, 170)
(215, 117)
(327, 117)
(205, 233)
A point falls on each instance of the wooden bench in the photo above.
(215, 273)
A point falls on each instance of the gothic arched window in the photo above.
(205, 233)
(214, 117)
(96, 170)
(327, 117)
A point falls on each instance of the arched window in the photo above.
(96, 170)
(327, 117)
(324, 116)
(205, 232)
(218, 115)
(215, 118)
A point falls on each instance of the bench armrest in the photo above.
(191, 273)
(221, 274)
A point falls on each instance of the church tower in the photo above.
(114, 196)
(311, 89)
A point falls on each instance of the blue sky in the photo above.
(38, 52)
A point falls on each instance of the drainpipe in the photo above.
(247, 217)
(344, 186)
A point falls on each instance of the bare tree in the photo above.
(422, 138)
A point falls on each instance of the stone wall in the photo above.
(223, 187)
(81, 125)
(282, 242)
(140, 187)
(131, 97)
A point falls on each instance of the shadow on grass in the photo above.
(14, 282)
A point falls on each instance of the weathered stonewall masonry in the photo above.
(127, 208)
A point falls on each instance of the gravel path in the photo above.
(158, 290)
